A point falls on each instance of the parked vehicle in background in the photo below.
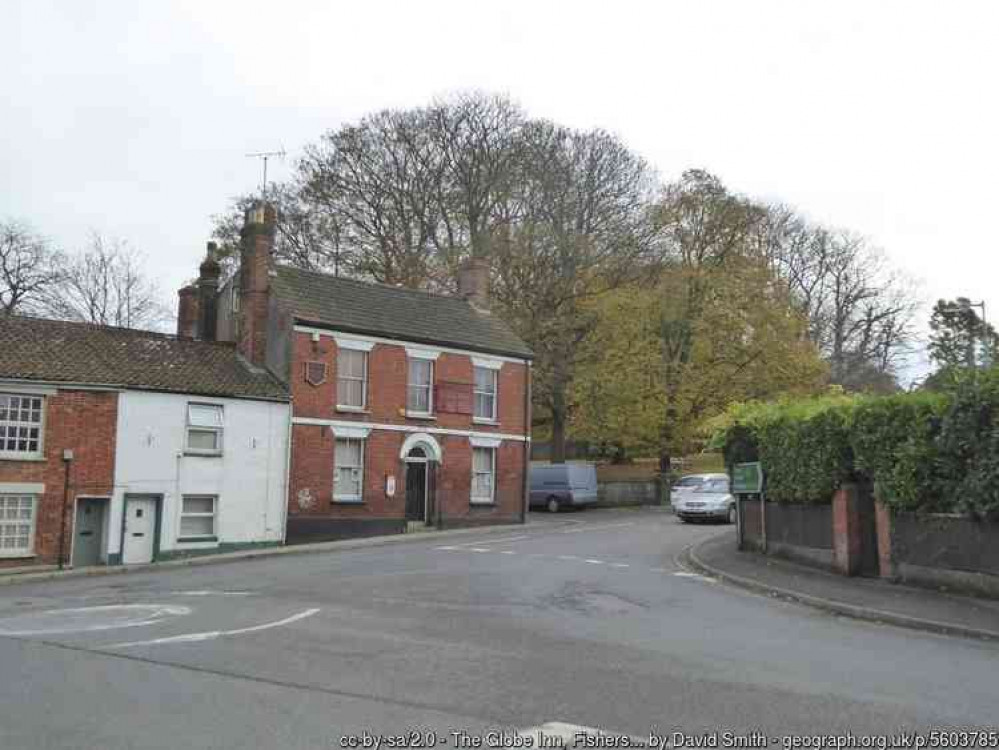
(712, 500)
(568, 485)
(682, 487)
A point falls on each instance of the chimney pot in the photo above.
(187, 312)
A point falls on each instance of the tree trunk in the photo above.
(558, 424)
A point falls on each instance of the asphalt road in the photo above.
(584, 618)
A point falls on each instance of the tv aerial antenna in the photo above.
(264, 156)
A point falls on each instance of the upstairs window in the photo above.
(204, 429)
(420, 390)
(20, 426)
(484, 391)
(351, 378)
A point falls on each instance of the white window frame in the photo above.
(214, 515)
(479, 499)
(340, 376)
(340, 497)
(429, 362)
(219, 430)
(17, 424)
(494, 373)
(28, 551)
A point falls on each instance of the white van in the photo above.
(557, 486)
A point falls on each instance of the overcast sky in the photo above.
(133, 118)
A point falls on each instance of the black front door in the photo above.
(416, 491)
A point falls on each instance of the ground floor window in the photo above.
(17, 525)
(483, 474)
(348, 479)
(198, 517)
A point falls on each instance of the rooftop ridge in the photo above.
(144, 332)
(381, 284)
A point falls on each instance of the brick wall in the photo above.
(86, 422)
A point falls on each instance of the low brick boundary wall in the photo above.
(939, 550)
(622, 493)
(795, 531)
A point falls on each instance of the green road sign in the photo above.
(747, 479)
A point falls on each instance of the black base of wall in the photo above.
(468, 523)
(303, 530)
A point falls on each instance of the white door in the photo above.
(140, 528)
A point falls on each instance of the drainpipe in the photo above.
(67, 460)
(287, 475)
(527, 440)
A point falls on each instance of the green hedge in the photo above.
(924, 451)
(894, 442)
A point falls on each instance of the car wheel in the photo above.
(552, 505)
(684, 519)
(730, 516)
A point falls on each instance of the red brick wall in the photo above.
(84, 421)
(313, 446)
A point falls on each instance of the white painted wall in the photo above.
(249, 478)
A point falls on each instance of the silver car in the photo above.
(684, 486)
(711, 500)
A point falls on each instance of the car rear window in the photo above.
(714, 485)
(689, 482)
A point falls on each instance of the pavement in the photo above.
(575, 620)
(864, 598)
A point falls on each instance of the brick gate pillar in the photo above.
(883, 525)
(847, 543)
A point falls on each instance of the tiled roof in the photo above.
(82, 353)
(394, 312)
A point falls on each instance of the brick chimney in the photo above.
(208, 294)
(187, 312)
(255, 267)
(473, 282)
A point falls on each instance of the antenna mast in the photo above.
(264, 156)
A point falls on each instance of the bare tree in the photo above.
(29, 267)
(308, 234)
(575, 225)
(104, 284)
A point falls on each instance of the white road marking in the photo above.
(480, 549)
(595, 562)
(213, 634)
(150, 614)
(212, 593)
(568, 557)
(507, 552)
(600, 527)
(496, 541)
(620, 565)
(447, 548)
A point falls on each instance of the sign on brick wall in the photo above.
(453, 398)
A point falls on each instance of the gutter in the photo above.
(527, 442)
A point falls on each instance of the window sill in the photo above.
(482, 503)
(348, 501)
(199, 454)
(421, 415)
(17, 555)
(15, 457)
(352, 409)
(197, 539)
(482, 420)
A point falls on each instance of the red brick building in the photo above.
(408, 407)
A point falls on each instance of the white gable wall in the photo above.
(249, 478)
